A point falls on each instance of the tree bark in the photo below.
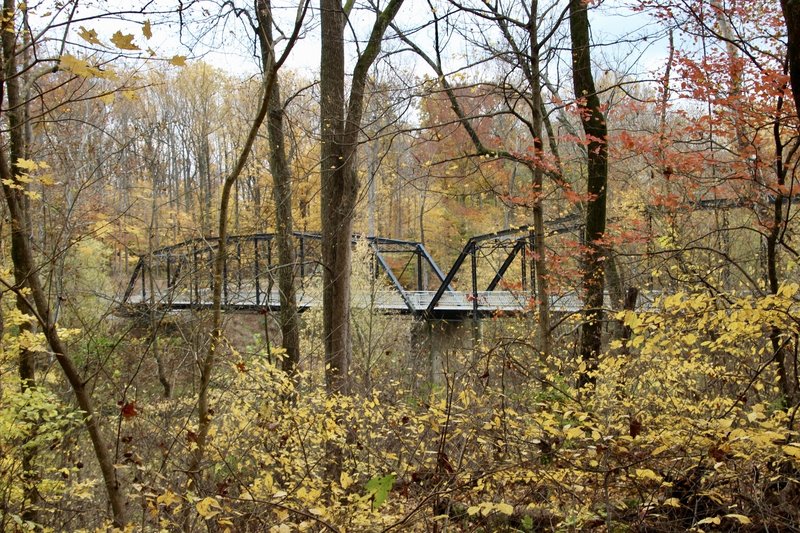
(207, 363)
(777, 227)
(36, 303)
(594, 127)
(339, 139)
(337, 187)
(791, 14)
(282, 195)
(540, 255)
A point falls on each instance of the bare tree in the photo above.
(791, 14)
(596, 131)
(208, 362)
(282, 195)
(340, 124)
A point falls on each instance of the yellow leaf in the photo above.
(147, 31)
(345, 480)
(505, 508)
(204, 508)
(659, 450)
(711, 520)
(789, 290)
(26, 164)
(792, 450)
(178, 61)
(646, 473)
(574, 433)
(90, 36)
(70, 63)
(740, 517)
(123, 41)
(168, 498)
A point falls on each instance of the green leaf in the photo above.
(378, 488)
(527, 523)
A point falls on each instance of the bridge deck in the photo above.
(180, 276)
(384, 300)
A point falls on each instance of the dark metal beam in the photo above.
(520, 244)
(393, 278)
(450, 275)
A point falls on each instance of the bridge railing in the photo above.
(181, 275)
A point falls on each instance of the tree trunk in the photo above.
(594, 126)
(27, 377)
(25, 269)
(337, 189)
(339, 139)
(207, 363)
(282, 195)
(773, 241)
(791, 14)
(540, 251)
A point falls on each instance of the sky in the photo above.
(229, 46)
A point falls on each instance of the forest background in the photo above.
(666, 400)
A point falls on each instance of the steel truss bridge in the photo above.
(180, 276)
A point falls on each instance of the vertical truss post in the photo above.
(256, 271)
(195, 277)
(169, 272)
(302, 258)
(474, 259)
(145, 270)
(239, 264)
(224, 270)
(418, 253)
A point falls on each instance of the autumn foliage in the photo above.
(685, 420)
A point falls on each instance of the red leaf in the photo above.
(129, 410)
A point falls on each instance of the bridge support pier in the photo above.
(436, 344)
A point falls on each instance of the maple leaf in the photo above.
(90, 36)
(79, 67)
(178, 61)
(123, 41)
(147, 31)
(26, 164)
